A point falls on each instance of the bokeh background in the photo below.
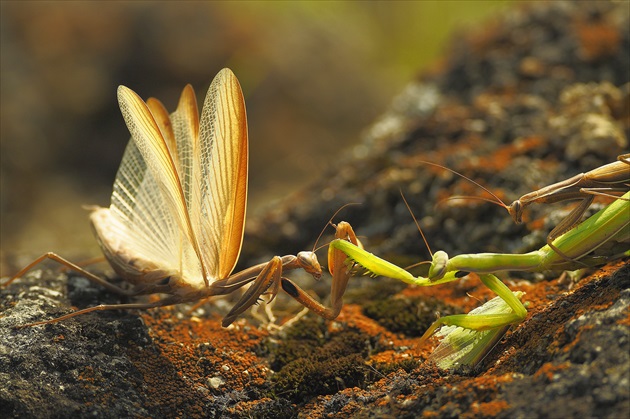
(314, 74)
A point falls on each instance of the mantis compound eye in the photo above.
(438, 266)
(516, 211)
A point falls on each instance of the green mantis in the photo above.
(609, 224)
(611, 180)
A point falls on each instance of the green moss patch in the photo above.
(411, 316)
(309, 362)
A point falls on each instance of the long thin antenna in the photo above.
(498, 200)
(416, 221)
(476, 198)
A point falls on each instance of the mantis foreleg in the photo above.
(270, 278)
(485, 321)
(611, 223)
(340, 277)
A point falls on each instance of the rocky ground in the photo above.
(537, 96)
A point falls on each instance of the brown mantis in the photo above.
(176, 220)
(612, 179)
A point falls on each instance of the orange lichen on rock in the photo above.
(548, 371)
(502, 156)
(189, 360)
(598, 40)
(535, 225)
(352, 317)
(488, 409)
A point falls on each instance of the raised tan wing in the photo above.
(181, 191)
(148, 193)
(185, 126)
(163, 120)
(220, 165)
(141, 222)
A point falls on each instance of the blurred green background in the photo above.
(314, 74)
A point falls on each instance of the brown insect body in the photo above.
(177, 214)
(611, 178)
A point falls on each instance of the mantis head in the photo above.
(516, 211)
(308, 261)
(438, 266)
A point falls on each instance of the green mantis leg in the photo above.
(459, 346)
(376, 266)
(610, 223)
(480, 329)
(380, 267)
(482, 322)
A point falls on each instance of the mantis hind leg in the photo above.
(73, 267)
(139, 306)
(487, 320)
